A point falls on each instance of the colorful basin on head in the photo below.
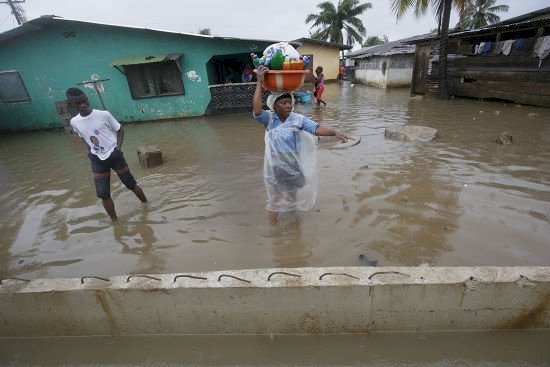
(284, 80)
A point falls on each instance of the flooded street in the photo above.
(526, 348)
(460, 200)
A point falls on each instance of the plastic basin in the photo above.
(284, 80)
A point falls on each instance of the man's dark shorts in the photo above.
(101, 171)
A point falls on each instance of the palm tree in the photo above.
(332, 22)
(443, 14)
(375, 40)
(480, 13)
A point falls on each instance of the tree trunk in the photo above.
(443, 45)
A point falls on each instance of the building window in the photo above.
(12, 89)
(154, 79)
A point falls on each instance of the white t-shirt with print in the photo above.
(99, 131)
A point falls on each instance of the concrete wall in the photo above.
(392, 71)
(280, 301)
(63, 54)
(323, 55)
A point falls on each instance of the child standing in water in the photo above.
(319, 85)
(290, 160)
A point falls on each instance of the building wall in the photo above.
(385, 71)
(517, 77)
(326, 56)
(62, 55)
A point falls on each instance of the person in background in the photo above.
(341, 72)
(285, 157)
(319, 85)
(102, 135)
(247, 75)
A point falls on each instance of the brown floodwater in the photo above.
(442, 349)
(460, 200)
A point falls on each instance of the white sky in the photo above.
(273, 20)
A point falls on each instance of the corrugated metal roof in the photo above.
(144, 59)
(45, 20)
(541, 20)
(333, 44)
(389, 48)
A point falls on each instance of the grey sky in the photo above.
(277, 20)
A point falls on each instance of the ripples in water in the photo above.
(461, 199)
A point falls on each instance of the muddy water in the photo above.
(459, 200)
(487, 349)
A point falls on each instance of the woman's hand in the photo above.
(260, 72)
(343, 137)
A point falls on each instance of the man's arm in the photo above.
(257, 103)
(119, 138)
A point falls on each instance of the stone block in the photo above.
(149, 156)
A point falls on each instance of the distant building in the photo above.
(322, 53)
(389, 65)
(137, 74)
(504, 61)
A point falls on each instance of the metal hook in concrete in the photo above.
(388, 272)
(282, 272)
(14, 278)
(234, 277)
(343, 274)
(188, 276)
(89, 277)
(142, 276)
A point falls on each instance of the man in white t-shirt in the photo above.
(102, 135)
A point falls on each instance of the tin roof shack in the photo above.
(504, 61)
(321, 53)
(137, 74)
(389, 65)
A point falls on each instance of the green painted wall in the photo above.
(49, 61)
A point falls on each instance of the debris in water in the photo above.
(366, 261)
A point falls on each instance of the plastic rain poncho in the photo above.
(290, 166)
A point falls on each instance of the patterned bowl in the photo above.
(284, 80)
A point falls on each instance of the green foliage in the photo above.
(339, 24)
(480, 13)
(375, 40)
(205, 31)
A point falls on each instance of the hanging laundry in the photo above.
(519, 43)
(498, 47)
(480, 47)
(486, 48)
(542, 48)
(507, 47)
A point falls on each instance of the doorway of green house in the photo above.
(229, 69)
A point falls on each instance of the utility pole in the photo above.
(16, 10)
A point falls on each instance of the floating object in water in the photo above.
(364, 260)
(302, 97)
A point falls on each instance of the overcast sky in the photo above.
(282, 20)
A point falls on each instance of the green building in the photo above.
(137, 74)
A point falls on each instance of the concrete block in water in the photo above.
(411, 133)
(149, 156)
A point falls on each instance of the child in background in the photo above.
(319, 85)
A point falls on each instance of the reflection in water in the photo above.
(461, 199)
(289, 249)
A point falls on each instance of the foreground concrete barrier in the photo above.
(280, 301)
